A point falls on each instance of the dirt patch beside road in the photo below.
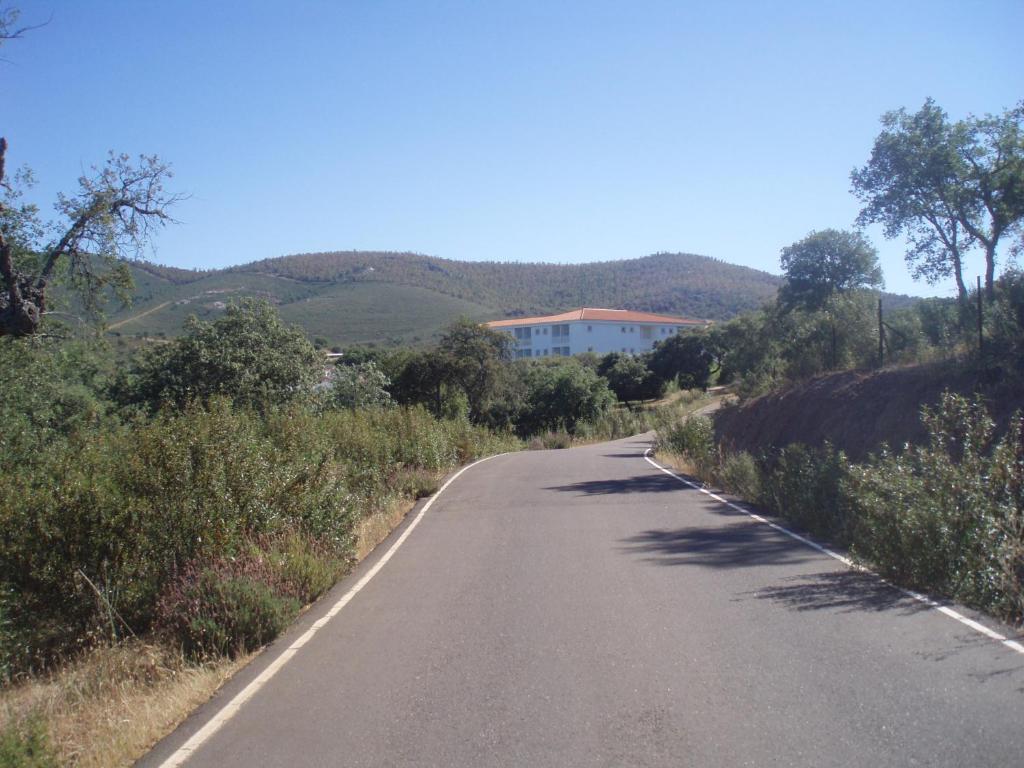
(856, 410)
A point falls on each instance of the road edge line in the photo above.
(978, 627)
(225, 713)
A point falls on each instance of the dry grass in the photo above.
(676, 463)
(372, 530)
(109, 707)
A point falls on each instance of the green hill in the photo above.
(392, 298)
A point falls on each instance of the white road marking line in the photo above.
(214, 724)
(944, 609)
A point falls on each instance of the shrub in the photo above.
(616, 423)
(303, 568)
(551, 440)
(1006, 322)
(805, 485)
(100, 522)
(946, 517)
(739, 474)
(95, 529)
(759, 381)
(693, 439)
(416, 483)
(225, 608)
(26, 744)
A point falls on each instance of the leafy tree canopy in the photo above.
(248, 355)
(827, 263)
(475, 354)
(111, 217)
(631, 380)
(687, 358)
(562, 396)
(360, 385)
(948, 186)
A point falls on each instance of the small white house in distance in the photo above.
(591, 330)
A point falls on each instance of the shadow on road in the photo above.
(739, 545)
(841, 591)
(646, 483)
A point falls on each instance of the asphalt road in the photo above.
(581, 608)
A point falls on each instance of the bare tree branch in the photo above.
(112, 217)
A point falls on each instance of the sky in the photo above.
(502, 131)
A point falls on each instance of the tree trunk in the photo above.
(958, 274)
(20, 304)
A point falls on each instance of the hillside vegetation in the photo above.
(405, 298)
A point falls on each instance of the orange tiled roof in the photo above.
(587, 313)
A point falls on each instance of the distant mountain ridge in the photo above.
(348, 297)
(675, 283)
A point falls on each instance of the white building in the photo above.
(591, 330)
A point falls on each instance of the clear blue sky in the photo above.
(541, 131)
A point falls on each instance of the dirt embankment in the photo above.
(857, 410)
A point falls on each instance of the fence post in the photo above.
(881, 335)
(981, 337)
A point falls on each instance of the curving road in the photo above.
(581, 608)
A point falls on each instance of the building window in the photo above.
(560, 331)
(623, 349)
(632, 329)
(632, 351)
(590, 328)
(623, 329)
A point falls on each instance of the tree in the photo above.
(360, 385)
(827, 263)
(823, 272)
(421, 378)
(630, 380)
(949, 187)
(562, 396)
(687, 358)
(248, 355)
(475, 354)
(357, 355)
(110, 218)
(992, 150)
(9, 29)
